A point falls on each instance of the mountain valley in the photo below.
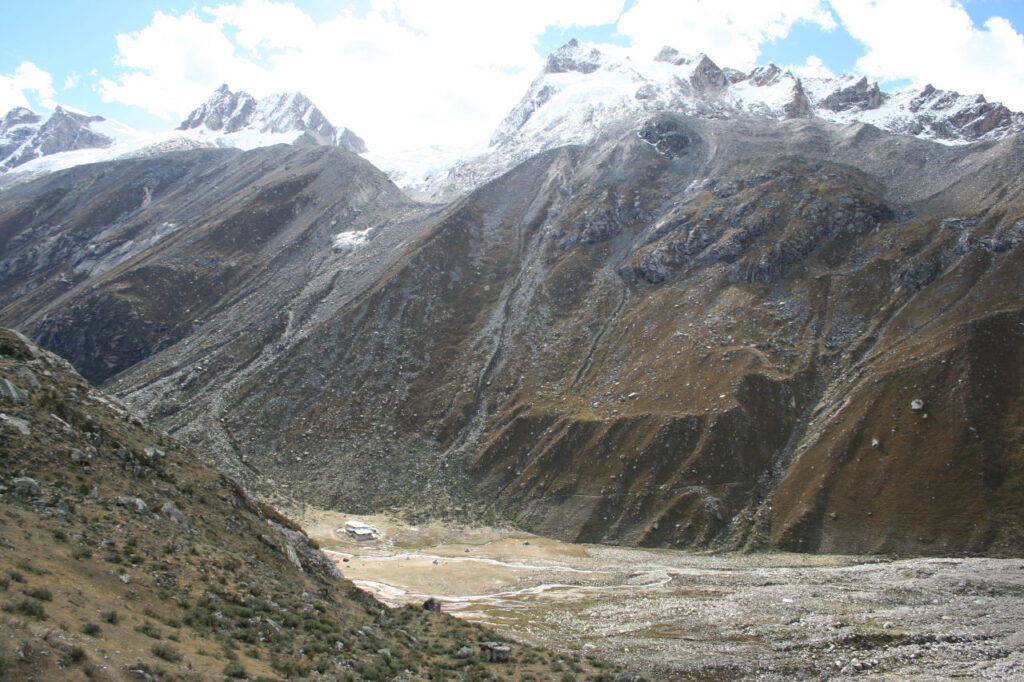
(695, 333)
(125, 556)
(673, 324)
(739, 335)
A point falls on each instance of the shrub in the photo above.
(235, 670)
(110, 617)
(166, 652)
(92, 629)
(26, 565)
(149, 630)
(26, 607)
(40, 593)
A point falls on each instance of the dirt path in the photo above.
(679, 615)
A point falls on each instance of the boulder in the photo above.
(174, 514)
(136, 503)
(29, 487)
(10, 392)
(495, 652)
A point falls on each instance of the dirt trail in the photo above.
(681, 615)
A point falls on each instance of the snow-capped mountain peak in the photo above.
(238, 119)
(574, 56)
(31, 145)
(26, 135)
(582, 89)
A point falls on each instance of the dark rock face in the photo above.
(572, 57)
(17, 127)
(692, 333)
(707, 75)
(670, 55)
(63, 131)
(226, 110)
(971, 122)
(668, 136)
(858, 96)
(230, 112)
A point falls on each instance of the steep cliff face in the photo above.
(705, 333)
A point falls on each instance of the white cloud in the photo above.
(174, 64)
(935, 41)
(405, 74)
(729, 31)
(813, 67)
(27, 78)
(411, 74)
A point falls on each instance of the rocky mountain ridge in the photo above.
(710, 329)
(25, 135)
(227, 119)
(582, 90)
(692, 332)
(237, 119)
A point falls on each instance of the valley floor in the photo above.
(691, 616)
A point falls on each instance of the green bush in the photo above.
(26, 565)
(149, 630)
(92, 629)
(110, 617)
(234, 670)
(166, 652)
(26, 607)
(40, 593)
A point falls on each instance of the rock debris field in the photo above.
(690, 616)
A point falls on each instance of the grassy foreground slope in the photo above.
(125, 556)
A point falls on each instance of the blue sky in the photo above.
(458, 65)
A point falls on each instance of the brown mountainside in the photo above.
(721, 333)
(125, 556)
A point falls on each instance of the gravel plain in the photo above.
(692, 616)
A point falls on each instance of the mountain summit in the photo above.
(31, 145)
(25, 135)
(237, 119)
(583, 90)
(580, 84)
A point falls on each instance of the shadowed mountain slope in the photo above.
(730, 333)
(125, 556)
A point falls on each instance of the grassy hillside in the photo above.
(125, 556)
